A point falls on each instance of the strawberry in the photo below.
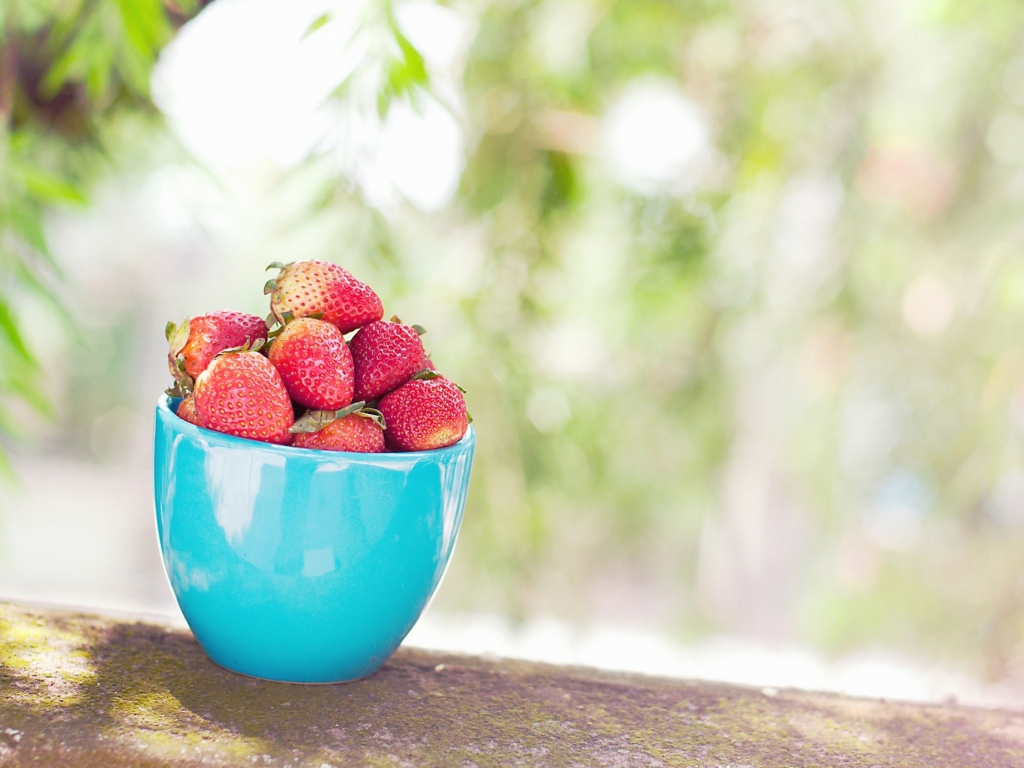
(315, 364)
(386, 354)
(305, 288)
(187, 410)
(241, 393)
(425, 413)
(355, 429)
(194, 343)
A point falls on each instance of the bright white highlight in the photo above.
(242, 87)
(417, 154)
(655, 138)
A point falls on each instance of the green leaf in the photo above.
(317, 23)
(374, 415)
(58, 74)
(50, 188)
(134, 67)
(6, 470)
(10, 331)
(406, 73)
(97, 80)
(145, 25)
(179, 336)
(350, 409)
(312, 421)
(25, 385)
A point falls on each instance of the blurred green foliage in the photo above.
(803, 416)
(67, 71)
(780, 393)
(72, 74)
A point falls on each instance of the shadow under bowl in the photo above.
(298, 565)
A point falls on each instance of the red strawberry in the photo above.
(386, 354)
(195, 342)
(424, 414)
(315, 364)
(306, 288)
(358, 432)
(241, 394)
(187, 410)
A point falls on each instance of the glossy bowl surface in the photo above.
(299, 565)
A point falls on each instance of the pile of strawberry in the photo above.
(295, 380)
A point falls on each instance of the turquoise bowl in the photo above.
(297, 565)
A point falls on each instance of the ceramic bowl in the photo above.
(298, 565)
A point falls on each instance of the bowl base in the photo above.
(291, 682)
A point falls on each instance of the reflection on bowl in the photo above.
(298, 565)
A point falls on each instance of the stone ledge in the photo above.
(83, 691)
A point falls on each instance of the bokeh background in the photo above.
(736, 290)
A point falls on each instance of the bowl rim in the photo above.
(163, 407)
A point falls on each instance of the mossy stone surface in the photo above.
(79, 690)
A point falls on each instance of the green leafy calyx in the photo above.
(177, 335)
(249, 346)
(314, 421)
